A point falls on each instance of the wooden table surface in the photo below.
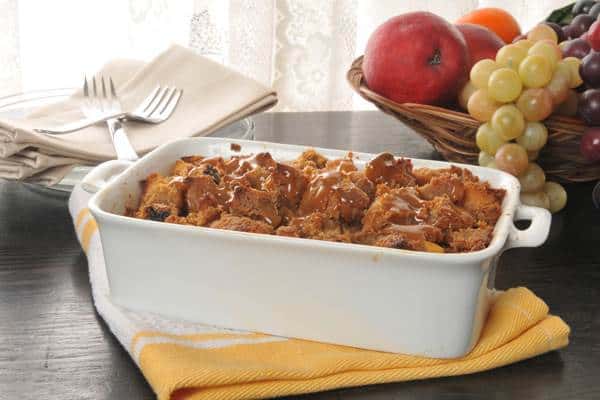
(54, 346)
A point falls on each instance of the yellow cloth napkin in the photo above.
(182, 360)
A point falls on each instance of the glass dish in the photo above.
(19, 105)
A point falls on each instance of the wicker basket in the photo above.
(452, 133)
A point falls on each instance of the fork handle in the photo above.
(77, 125)
(120, 141)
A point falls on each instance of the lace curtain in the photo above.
(300, 47)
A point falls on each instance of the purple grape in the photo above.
(582, 6)
(595, 10)
(589, 107)
(590, 144)
(581, 24)
(557, 28)
(576, 48)
(567, 32)
(590, 69)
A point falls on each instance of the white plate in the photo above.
(19, 105)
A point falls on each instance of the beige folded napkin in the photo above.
(213, 96)
(27, 163)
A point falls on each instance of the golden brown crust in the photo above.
(483, 202)
(385, 168)
(161, 197)
(310, 158)
(241, 224)
(444, 184)
(469, 239)
(441, 212)
(253, 203)
(199, 218)
(333, 193)
(388, 204)
(315, 226)
(425, 175)
(182, 168)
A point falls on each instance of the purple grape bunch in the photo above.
(577, 44)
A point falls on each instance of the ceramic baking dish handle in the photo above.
(536, 233)
(102, 174)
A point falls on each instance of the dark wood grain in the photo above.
(54, 346)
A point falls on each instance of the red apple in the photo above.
(482, 42)
(416, 58)
(593, 36)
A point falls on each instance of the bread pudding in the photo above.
(387, 204)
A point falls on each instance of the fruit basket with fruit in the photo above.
(530, 107)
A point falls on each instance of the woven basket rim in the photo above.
(452, 132)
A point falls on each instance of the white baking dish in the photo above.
(362, 296)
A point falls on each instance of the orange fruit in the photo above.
(496, 20)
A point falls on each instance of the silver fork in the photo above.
(157, 107)
(105, 102)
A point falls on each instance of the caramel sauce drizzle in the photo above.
(334, 190)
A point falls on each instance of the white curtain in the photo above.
(300, 47)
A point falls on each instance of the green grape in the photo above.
(525, 44)
(508, 121)
(541, 32)
(487, 139)
(465, 94)
(564, 69)
(573, 64)
(510, 56)
(535, 71)
(548, 50)
(504, 85)
(562, 45)
(533, 179)
(512, 158)
(537, 199)
(481, 71)
(557, 196)
(535, 104)
(533, 155)
(534, 137)
(482, 106)
(485, 158)
(559, 85)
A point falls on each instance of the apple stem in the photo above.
(436, 59)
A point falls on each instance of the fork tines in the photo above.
(155, 108)
(160, 102)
